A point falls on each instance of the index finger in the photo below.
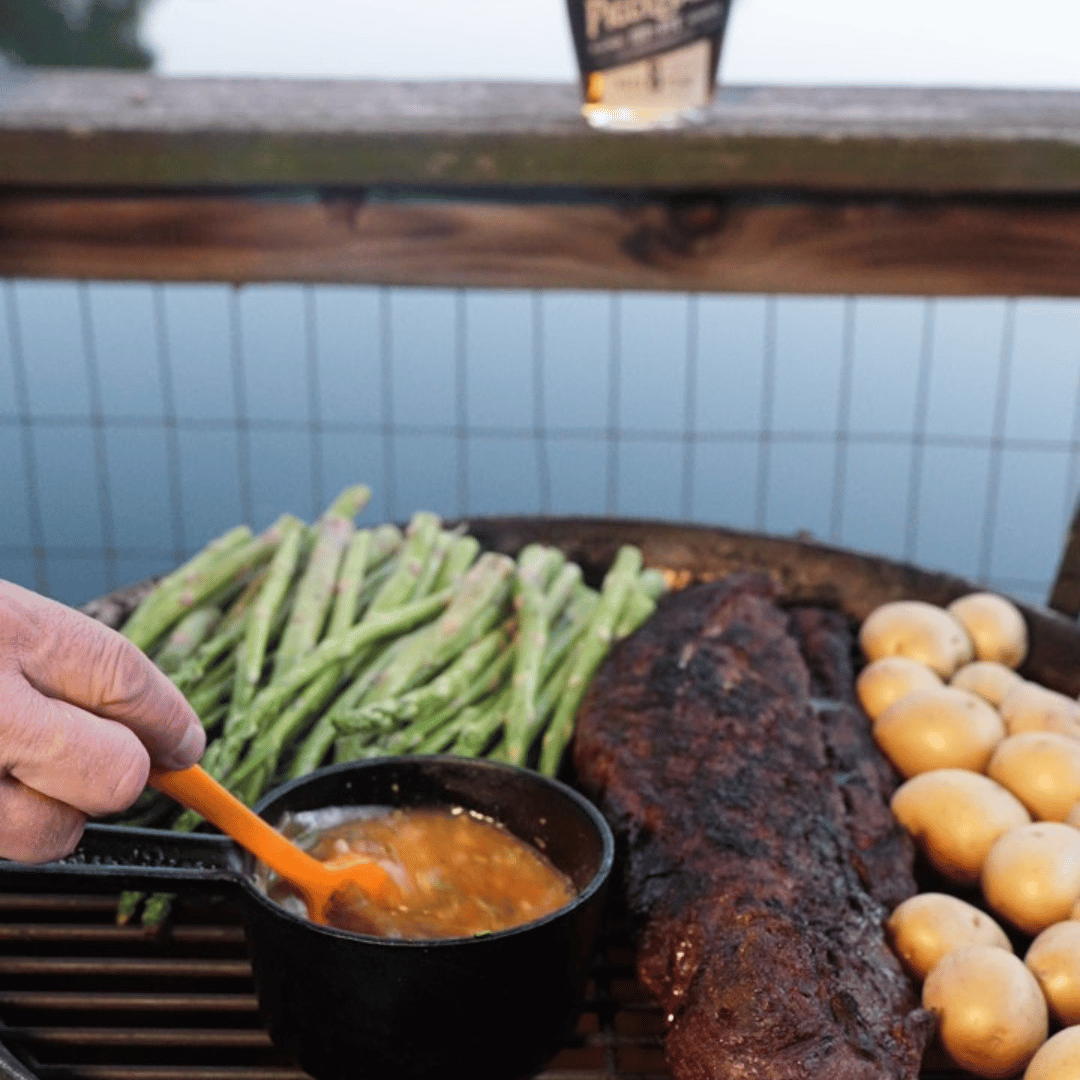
(65, 654)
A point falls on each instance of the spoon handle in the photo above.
(196, 789)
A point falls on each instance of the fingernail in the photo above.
(189, 749)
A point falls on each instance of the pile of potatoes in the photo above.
(991, 796)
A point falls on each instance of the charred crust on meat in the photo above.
(756, 852)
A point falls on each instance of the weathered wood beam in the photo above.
(111, 129)
(886, 247)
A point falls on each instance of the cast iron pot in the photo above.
(353, 1006)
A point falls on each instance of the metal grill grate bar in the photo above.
(112, 967)
(208, 1038)
(169, 1072)
(69, 932)
(127, 1002)
(37, 903)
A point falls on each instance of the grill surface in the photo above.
(84, 999)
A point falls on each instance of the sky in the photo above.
(828, 42)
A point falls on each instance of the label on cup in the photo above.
(615, 33)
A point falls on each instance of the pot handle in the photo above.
(11, 1068)
(116, 856)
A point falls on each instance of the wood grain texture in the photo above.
(892, 247)
(114, 129)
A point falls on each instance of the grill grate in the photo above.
(84, 999)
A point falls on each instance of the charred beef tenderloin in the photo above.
(757, 852)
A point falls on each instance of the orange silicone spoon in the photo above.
(317, 882)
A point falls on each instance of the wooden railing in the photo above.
(827, 191)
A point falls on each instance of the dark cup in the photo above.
(346, 1005)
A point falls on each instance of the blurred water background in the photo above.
(138, 421)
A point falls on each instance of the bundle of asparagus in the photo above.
(309, 644)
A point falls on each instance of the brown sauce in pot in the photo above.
(455, 873)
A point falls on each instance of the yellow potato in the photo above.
(955, 817)
(1030, 707)
(918, 631)
(995, 625)
(990, 1011)
(938, 728)
(1042, 769)
(1031, 875)
(885, 681)
(1054, 959)
(987, 678)
(1058, 1058)
(926, 927)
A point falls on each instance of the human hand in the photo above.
(82, 714)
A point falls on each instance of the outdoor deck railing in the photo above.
(805, 190)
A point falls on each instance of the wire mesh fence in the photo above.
(137, 421)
